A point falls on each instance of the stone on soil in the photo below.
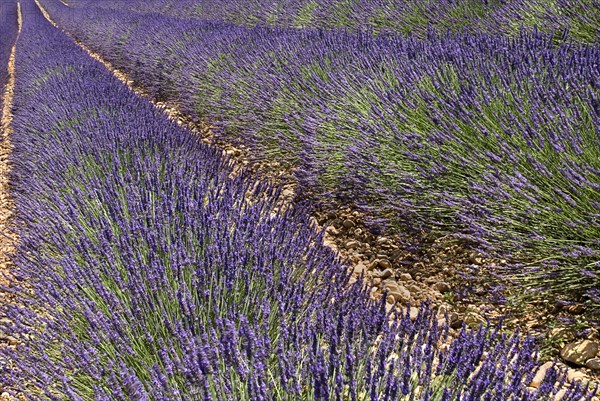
(441, 287)
(401, 294)
(579, 352)
(348, 223)
(573, 374)
(541, 373)
(332, 230)
(359, 269)
(593, 364)
(405, 277)
(473, 320)
(390, 284)
(386, 273)
(352, 244)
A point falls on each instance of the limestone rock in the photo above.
(352, 244)
(401, 294)
(593, 364)
(359, 269)
(386, 273)
(413, 313)
(473, 320)
(579, 352)
(405, 277)
(441, 287)
(332, 230)
(540, 374)
(391, 285)
(576, 375)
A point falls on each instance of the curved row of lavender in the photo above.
(484, 139)
(580, 18)
(153, 273)
(8, 35)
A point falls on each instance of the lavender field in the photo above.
(579, 19)
(151, 265)
(490, 139)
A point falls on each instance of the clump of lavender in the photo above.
(153, 273)
(488, 139)
(579, 19)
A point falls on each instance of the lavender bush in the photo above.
(155, 273)
(481, 138)
(581, 18)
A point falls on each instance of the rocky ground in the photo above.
(436, 276)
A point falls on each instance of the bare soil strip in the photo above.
(8, 238)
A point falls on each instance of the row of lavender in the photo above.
(486, 139)
(580, 18)
(8, 35)
(153, 273)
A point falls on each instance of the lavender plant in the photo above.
(484, 138)
(155, 273)
(580, 19)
